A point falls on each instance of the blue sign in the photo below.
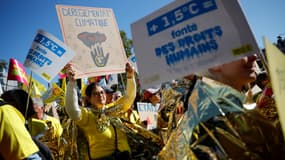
(180, 14)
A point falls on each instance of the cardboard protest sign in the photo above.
(47, 56)
(93, 33)
(187, 36)
(149, 113)
(276, 67)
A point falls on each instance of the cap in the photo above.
(108, 89)
(150, 91)
(38, 101)
(153, 90)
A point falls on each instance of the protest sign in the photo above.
(148, 113)
(133, 61)
(188, 36)
(93, 33)
(47, 56)
(276, 66)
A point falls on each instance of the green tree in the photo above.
(128, 43)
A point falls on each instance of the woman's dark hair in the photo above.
(88, 91)
(19, 98)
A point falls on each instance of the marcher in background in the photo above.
(251, 135)
(105, 140)
(53, 134)
(116, 95)
(109, 94)
(219, 127)
(152, 95)
(15, 141)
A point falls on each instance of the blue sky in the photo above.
(20, 20)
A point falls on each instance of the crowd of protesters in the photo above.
(106, 125)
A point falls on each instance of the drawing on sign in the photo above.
(94, 42)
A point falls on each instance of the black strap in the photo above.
(116, 138)
(2, 102)
(189, 92)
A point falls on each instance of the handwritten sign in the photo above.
(93, 33)
(148, 113)
(187, 36)
(48, 55)
(276, 65)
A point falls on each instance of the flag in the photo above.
(53, 93)
(35, 91)
(63, 84)
(62, 73)
(17, 72)
(83, 86)
(94, 79)
(108, 78)
(37, 88)
(113, 79)
(63, 87)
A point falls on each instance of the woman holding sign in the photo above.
(98, 119)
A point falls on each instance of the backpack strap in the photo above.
(2, 102)
(116, 138)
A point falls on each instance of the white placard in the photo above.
(47, 56)
(187, 36)
(149, 113)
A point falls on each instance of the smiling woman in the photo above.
(97, 118)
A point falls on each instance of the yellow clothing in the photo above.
(132, 117)
(39, 126)
(56, 125)
(15, 141)
(102, 144)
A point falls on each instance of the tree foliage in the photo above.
(128, 43)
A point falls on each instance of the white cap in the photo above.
(153, 90)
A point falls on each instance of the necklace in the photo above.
(102, 121)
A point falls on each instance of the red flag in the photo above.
(62, 74)
(94, 79)
(17, 72)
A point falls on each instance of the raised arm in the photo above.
(128, 99)
(71, 99)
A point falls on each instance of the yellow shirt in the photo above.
(37, 127)
(40, 126)
(56, 125)
(102, 144)
(15, 141)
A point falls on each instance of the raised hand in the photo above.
(70, 72)
(129, 70)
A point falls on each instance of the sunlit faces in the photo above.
(238, 73)
(155, 98)
(98, 97)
